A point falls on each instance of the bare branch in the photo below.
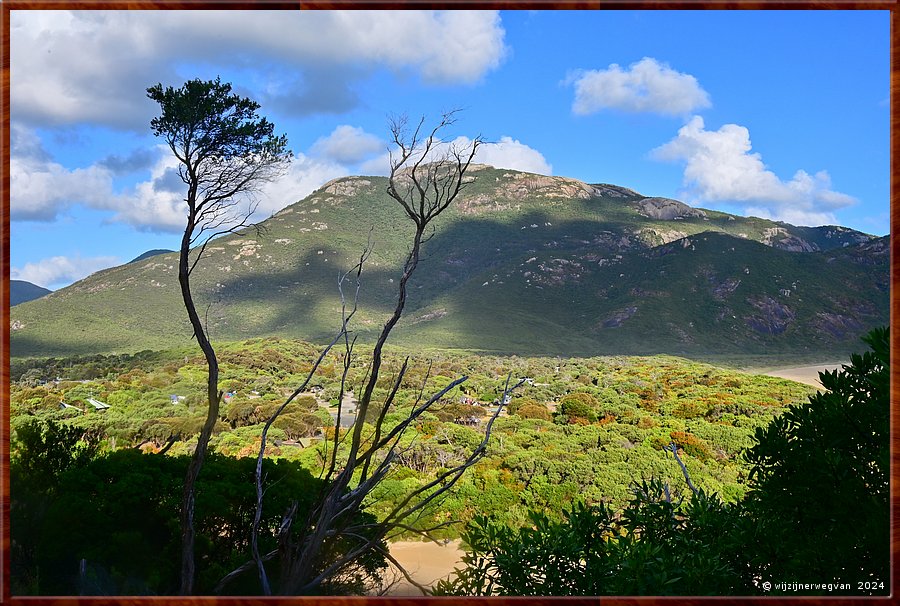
(672, 447)
(342, 332)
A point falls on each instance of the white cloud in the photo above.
(158, 204)
(56, 272)
(154, 205)
(40, 188)
(94, 66)
(40, 192)
(512, 154)
(507, 153)
(721, 168)
(646, 86)
(347, 144)
(305, 175)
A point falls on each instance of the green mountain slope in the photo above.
(523, 263)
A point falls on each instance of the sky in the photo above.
(776, 114)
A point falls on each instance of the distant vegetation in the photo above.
(506, 412)
(151, 253)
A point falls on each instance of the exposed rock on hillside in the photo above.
(773, 317)
(779, 237)
(605, 190)
(667, 209)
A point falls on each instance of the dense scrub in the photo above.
(578, 430)
(815, 519)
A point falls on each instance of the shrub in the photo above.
(534, 411)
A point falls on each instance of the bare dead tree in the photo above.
(225, 153)
(425, 178)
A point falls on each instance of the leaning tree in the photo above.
(226, 151)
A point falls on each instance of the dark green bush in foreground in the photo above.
(119, 513)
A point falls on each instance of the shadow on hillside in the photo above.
(457, 255)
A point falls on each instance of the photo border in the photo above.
(893, 6)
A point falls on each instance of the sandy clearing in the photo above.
(802, 374)
(426, 562)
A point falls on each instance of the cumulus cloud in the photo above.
(721, 168)
(158, 203)
(305, 175)
(40, 188)
(512, 154)
(506, 153)
(79, 66)
(348, 144)
(56, 272)
(646, 86)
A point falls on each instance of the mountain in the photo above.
(150, 253)
(522, 263)
(21, 291)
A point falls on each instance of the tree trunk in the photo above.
(188, 496)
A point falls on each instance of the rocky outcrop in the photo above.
(616, 319)
(773, 317)
(779, 237)
(722, 290)
(605, 190)
(837, 325)
(345, 186)
(667, 209)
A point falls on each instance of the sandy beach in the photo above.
(802, 374)
(426, 562)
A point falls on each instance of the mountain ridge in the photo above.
(22, 291)
(523, 263)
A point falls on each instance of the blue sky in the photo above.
(780, 114)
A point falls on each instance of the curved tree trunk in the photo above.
(214, 396)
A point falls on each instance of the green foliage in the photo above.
(42, 452)
(530, 463)
(820, 475)
(577, 406)
(817, 513)
(120, 514)
(691, 445)
(654, 547)
(212, 125)
(534, 411)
